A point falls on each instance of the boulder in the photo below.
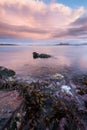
(7, 77)
(5, 72)
(37, 55)
(44, 56)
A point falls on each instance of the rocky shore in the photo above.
(55, 102)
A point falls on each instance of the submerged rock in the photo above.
(37, 55)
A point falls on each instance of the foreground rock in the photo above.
(7, 78)
(54, 102)
(37, 55)
(10, 101)
(5, 72)
(10, 104)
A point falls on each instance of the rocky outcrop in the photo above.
(37, 55)
(52, 103)
(7, 77)
(5, 72)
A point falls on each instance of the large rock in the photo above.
(7, 77)
(37, 55)
(5, 72)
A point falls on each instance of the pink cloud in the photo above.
(35, 19)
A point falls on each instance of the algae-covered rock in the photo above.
(51, 103)
(5, 72)
(7, 77)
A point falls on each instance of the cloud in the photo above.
(80, 21)
(78, 30)
(38, 20)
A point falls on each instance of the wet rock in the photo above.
(44, 56)
(27, 127)
(7, 78)
(37, 55)
(10, 103)
(84, 97)
(5, 72)
(2, 83)
(7, 83)
(51, 103)
(61, 106)
(62, 124)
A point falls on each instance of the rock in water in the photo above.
(44, 56)
(5, 72)
(37, 55)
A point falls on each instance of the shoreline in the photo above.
(51, 96)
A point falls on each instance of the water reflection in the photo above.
(20, 58)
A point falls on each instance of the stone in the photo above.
(66, 89)
(44, 56)
(37, 55)
(5, 72)
(57, 76)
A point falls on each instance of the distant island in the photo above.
(8, 44)
(61, 43)
(70, 44)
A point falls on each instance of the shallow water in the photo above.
(19, 58)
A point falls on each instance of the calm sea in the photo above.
(19, 58)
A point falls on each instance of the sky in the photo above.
(43, 20)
